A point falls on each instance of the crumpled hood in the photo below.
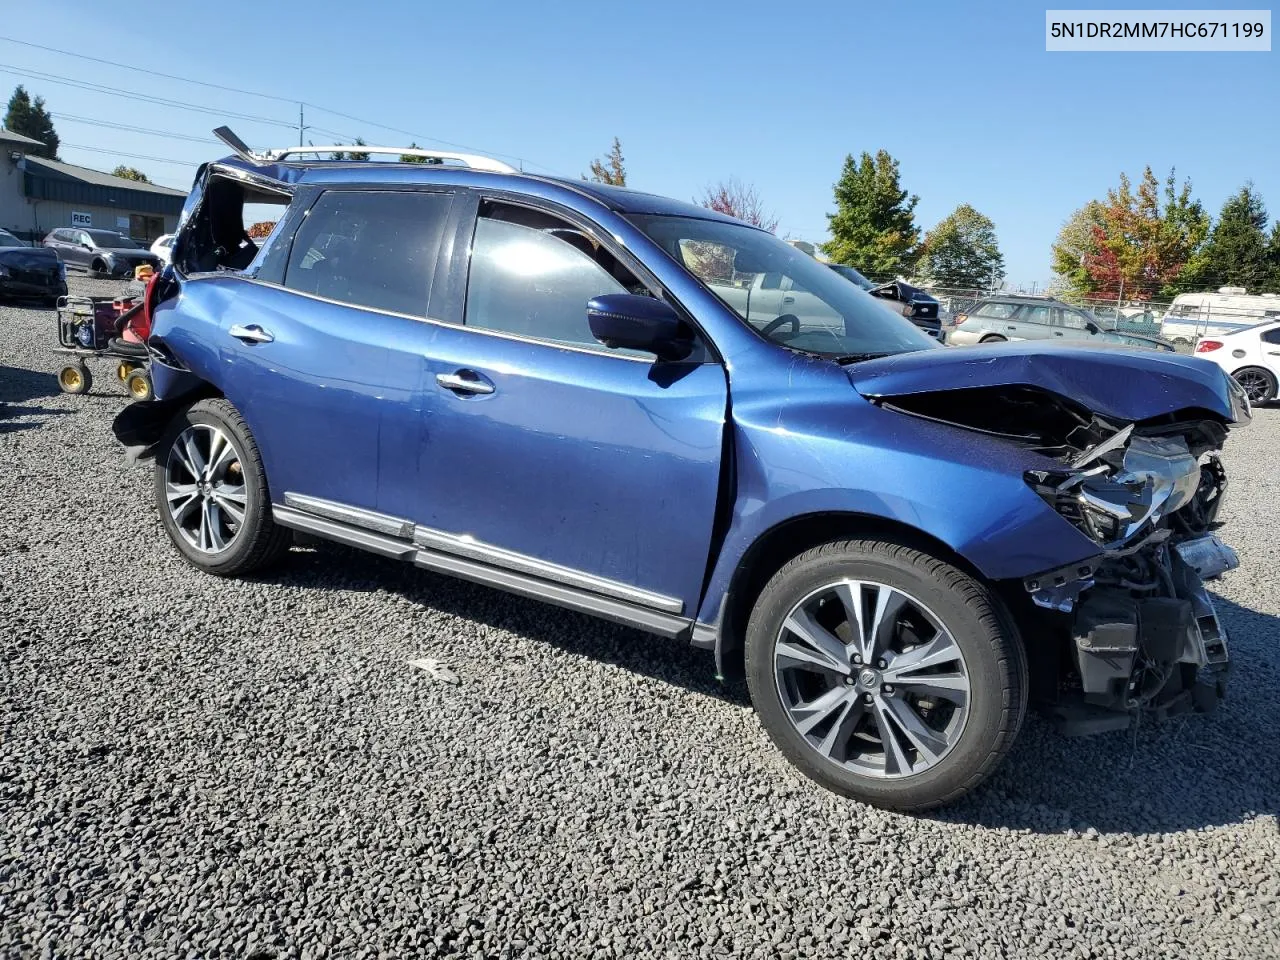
(1121, 385)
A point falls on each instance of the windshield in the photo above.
(783, 294)
(9, 240)
(851, 274)
(106, 239)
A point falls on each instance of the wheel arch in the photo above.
(773, 548)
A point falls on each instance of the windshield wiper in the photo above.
(846, 358)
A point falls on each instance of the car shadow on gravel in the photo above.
(18, 385)
(1187, 773)
(333, 566)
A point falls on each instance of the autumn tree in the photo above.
(1238, 251)
(1136, 244)
(873, 228)
(411, 158)
(130, 173)
(961, 251)
(610, 170)
(734, 198)
(31, 119)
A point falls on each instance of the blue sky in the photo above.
(776, 94)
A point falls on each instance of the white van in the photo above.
(1194, 315)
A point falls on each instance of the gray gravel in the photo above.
(193, 767)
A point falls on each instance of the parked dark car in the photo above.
(103, 253)
(548, 386)
(30, 273)
(912, 302)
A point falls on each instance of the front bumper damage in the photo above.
(1141, 632)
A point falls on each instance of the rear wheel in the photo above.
(885, 674)
(1258, 383)
(993, 338)
(212, 494)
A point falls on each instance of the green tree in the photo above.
(1135, 243)
(31, 119)
(1238, 251)
(873, 228)
(611, 169)
(410, 158)
(130, 173)
(356, 154)
(961, 251)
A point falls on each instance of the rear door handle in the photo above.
(788, 299)
(250, 334)
(464, 381)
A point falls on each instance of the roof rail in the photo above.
(474, 161)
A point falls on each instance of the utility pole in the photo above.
(301, 125)
(1120, 299)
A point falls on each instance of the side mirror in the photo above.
(633, 322)
(1091, 326)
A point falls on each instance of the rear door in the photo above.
(549, 452)
(1269, 344)
(324, 348)
(1033, 321)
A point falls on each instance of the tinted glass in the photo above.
(108, 239)
(851, 274)
(822, 313)
(9, 240)
(534, 283)
(371, 249)
(997, 311)
(1272, 335)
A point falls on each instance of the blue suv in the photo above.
(640, 409)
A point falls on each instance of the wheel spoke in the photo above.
(828, 649)
(940, 650)
(929, 744)
(811, 714)
(842, 729)
(895, 755)
(234, 493)
(211, 526)
(221, 455)
(884, 622)
(182, 498)
(233, 511)
(952, 687)
(194, 460)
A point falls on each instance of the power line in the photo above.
(132, 129)
(346, 116)
(142, 97)
(133, 156)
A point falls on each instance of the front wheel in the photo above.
(1259, 384)
(211, 491)
(885, 674)
(993, 338)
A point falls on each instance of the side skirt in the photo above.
(513, 581)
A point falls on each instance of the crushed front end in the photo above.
(1137, 629)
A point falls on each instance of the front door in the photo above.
(546, 446)
(327, 365)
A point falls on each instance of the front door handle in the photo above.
(250, 334)
(464, 381)
(1057, 333)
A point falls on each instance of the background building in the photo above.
(37, 195)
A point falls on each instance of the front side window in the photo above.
(107, 240)
(532, 275)
(808, 306)
(372, 249)
(1074, 320)
(9, 240)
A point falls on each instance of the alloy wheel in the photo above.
(1256, 384)
(204, 488)
(871, 679)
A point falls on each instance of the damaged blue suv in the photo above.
(648, 412)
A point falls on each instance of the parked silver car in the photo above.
(1021, 317)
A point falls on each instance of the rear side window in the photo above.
(997, 311)
(370, 249)
(1272, 335)
(1035, 315)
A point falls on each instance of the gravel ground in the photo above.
(193, 767)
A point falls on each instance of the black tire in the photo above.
(982, 630)
(138, 383)
(259, 541)
(1258, 382)
(98, 270)
(75, 379)
(994, 338)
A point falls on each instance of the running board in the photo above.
(511, 581)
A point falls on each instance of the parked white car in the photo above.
(1251, 355)
(163, 248)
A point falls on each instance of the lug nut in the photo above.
(867, 698)
(887, 688)
(882, 663)
(857, 659)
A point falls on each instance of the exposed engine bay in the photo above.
(1135, 628)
